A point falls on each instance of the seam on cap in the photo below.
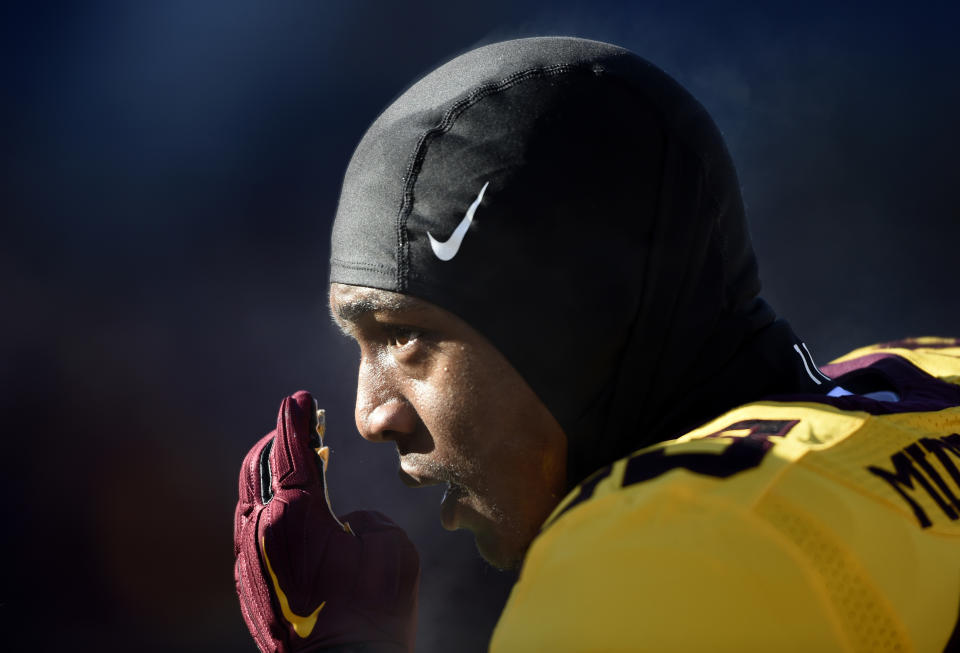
(444, 125)
(360, 265)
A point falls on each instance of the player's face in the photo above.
(458, 414)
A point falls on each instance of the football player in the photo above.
(542, 252)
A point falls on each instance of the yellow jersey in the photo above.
(802, 523)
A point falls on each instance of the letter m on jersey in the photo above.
(912, 472)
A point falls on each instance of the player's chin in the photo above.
(504, 551)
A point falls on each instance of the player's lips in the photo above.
(412, 477)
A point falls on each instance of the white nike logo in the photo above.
(447, 250)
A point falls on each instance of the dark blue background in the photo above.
(170, 171)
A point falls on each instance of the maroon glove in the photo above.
(307, 580)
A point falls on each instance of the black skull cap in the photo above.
(575, 205)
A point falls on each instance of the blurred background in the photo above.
(169, 175)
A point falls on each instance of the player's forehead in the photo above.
(351, 305)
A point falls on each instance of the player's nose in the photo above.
(382, 413)
(392, 420)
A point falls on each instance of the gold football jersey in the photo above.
(801, 523)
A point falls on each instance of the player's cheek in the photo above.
(447, 409)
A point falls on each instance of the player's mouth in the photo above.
(415, 477)
(452, 495)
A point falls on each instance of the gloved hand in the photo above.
(305, 579)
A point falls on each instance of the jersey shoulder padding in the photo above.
(794, 523)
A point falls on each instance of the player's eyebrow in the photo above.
(351, 312)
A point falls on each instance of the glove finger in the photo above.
(253, 591)
(253, 487)
(293, 460)
(251, 476)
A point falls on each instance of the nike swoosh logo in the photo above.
(302, 626)
(447, 250)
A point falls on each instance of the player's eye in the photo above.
(401, 337)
